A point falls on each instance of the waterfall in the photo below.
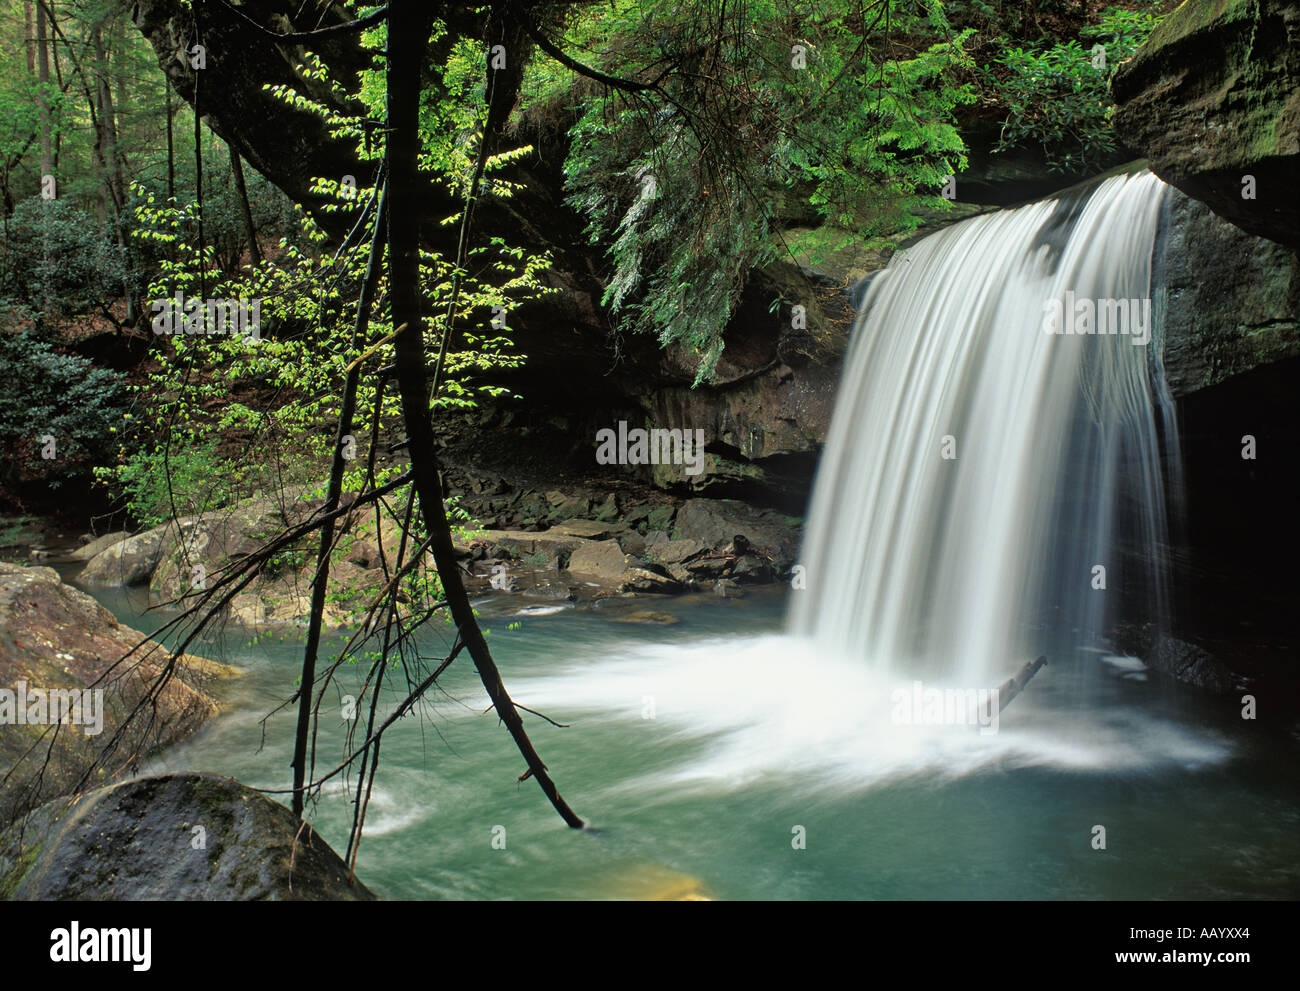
(950, 571)
(990, 450)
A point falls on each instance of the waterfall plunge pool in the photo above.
(754, 733)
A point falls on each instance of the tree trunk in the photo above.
(408, 32)
(1013, 686)
(43, 81)
(29, 38)
(107, 130)
(171, 146)
(114, 179)
(237, 170)
(320, 581)
(117, 55)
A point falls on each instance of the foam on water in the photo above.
(781, 708)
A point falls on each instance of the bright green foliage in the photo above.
(1059, 97)
(236, 416)
(183, 479)
(846, 107)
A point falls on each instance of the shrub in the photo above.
(56, 261)
(60, 396)
(1059, 98)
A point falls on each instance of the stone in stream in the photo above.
(649, 617)
(665, 551)
(98, 545)
(605, 563)
(587, 529)
(128, 562)
(715, 523)
(171, 837)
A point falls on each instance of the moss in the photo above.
(1197, 15)
(10, 880)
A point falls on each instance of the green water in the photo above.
(753, 736)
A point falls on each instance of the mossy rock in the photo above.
(171, 837)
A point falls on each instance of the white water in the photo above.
(741, 712)
(917, 563)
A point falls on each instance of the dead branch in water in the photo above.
(1014, 685)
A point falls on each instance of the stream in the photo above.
(755, 733)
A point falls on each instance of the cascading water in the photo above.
(976, 461)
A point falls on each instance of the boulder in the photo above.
(661, 517)
(216, 539)
(549, 590)
(587, 529)
(171, 837)
(727, 589)
(751, 569)
(605, 563)
(664, 550)
(642, 577)
(1194, 666)
(632, 543)
(128, 562)
(715, 523)
(56, 638)
(711, 565)
(364, 554)
(607, 509)
(601, 560)
(98, 545)
(177, 559)
(542, 551)
(648, 617)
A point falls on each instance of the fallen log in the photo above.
(1014, 685)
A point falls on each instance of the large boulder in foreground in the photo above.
(172, 837)
(56, 639)
(1213, 96)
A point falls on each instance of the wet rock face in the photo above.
(1213, 97)
(1231, 300)
(190, 837)
(56, 638)
(1193, 665)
